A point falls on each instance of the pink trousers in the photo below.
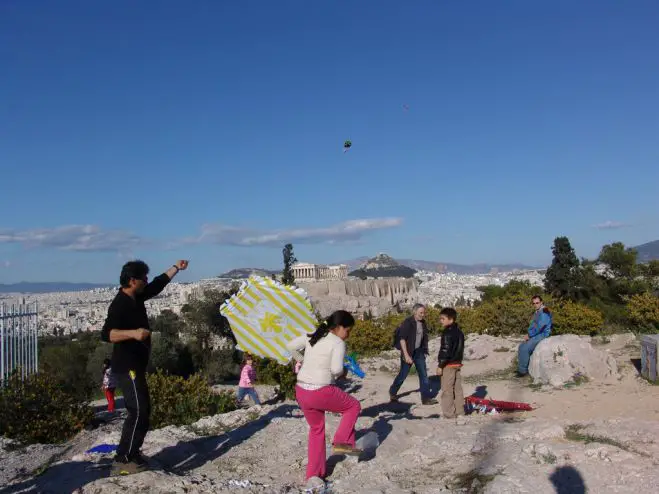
(314, 404)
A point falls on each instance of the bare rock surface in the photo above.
(597, 437)
(377, 296)
(558, 359)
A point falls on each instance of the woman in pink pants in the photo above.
(322, 364)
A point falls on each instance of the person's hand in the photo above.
(526, 337)
(440, 371)
(142, 334)
(182, 265)
(408, 360)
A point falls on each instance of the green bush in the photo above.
(39, 410)
(507, 315)
(371, 337)
(179, 401)
(573, 318)
(272, 372)
(171, 357)
(67, 363)
(643, 310)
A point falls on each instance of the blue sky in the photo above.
(213, 130)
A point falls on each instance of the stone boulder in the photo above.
(558, 360)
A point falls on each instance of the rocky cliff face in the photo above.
(361, 296)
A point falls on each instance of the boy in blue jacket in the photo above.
(539, 329)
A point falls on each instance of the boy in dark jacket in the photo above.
(450, 363)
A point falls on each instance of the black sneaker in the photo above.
(140, 459)
(429, 401)
(520, 374)
(393, 398)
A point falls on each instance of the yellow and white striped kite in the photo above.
(264, 315)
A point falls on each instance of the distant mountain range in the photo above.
(243, 273)
(648, 252)
(440, 267)
(49, 286)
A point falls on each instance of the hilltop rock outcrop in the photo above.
(383, 266)
(361, 296)
(561, 359)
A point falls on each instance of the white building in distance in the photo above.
(304, 271)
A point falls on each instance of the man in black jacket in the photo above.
(449, 363)
(412, 341)
(127, 326)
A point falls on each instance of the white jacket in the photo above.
(321, 363)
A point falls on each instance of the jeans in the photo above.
(524, 353)
(138, 405)
(419, 359)
(251, 392)
(314, 404)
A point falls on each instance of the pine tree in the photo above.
(287, 277)
(562, 277)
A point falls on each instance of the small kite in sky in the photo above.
(346, 146)
(406, 107)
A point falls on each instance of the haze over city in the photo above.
(214, 131)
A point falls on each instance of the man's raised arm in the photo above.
(160, 282)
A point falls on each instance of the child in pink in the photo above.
(246, 383)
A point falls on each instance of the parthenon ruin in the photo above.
(308, 271)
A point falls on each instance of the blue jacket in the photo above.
(541, 323)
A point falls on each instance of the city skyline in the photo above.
(214, 132)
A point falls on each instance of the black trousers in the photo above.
(138, 403)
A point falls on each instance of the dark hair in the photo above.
(133, 270)
(536, 296)
(337, 318)
(106, 364)
(449, 312)
(246, 357)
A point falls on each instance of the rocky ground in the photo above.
(593, 433)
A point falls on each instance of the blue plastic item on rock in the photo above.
(103, 448)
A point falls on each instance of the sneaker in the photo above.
(393, 398)
(127, 468)
(429, 401)
(520, 374)
(140, 459)
(346, 449)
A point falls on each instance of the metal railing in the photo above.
(18, 339)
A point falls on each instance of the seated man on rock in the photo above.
(539, 329)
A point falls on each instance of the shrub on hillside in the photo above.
(643, 310)
(67, 363)
(179, 401)
(574, 318)
(272, 372)
(371, 337)
(39, 410)
(506, 315)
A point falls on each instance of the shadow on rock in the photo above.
(568, 480)
(63, 477)
(189, 455)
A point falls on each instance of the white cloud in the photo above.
(341, 233)
(81, 238)
(92, 238)
(610, 225)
